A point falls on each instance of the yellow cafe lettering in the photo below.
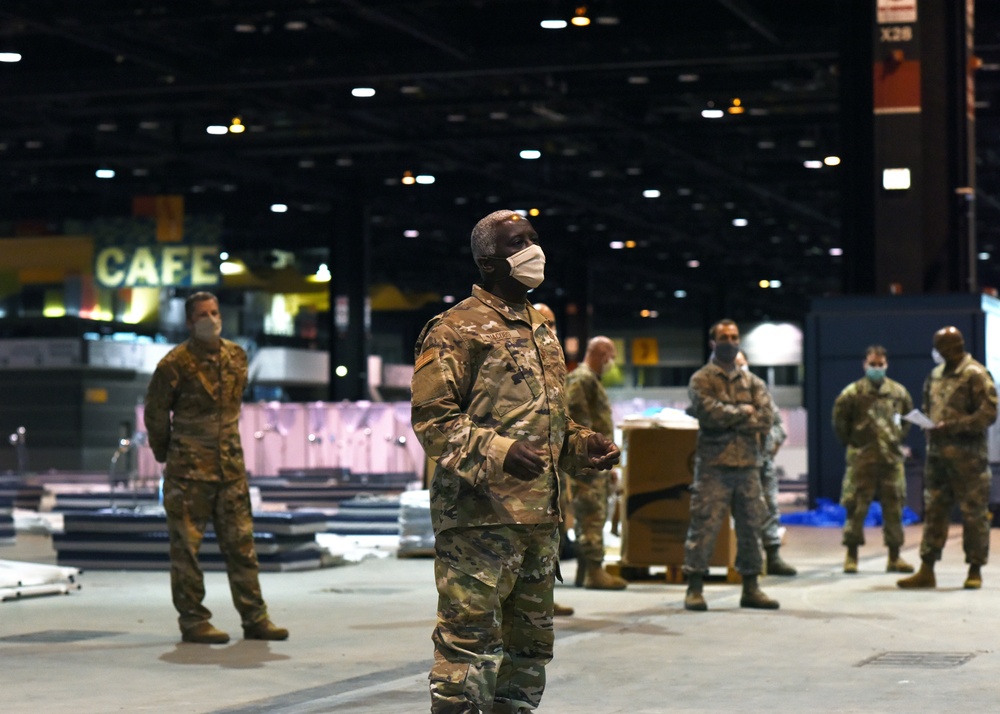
(157, 266)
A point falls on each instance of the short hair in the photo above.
(196, 298)
(720, 323)
(876, 350)
(484, 234)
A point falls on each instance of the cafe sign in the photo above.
(155, 266)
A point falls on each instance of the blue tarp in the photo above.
(832, 515)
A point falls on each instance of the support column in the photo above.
(350, 314)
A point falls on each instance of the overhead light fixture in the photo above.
(296, 25)
(323, 274)
(740, 222)
(638, 79)
(408, 179)
(104, 173)
(616, 245)
(279, 208)
(813, 164)
(217, 129)
(363, 92)
(530, 154)
(693, 264)
(245, 27)
(534, 212)
(10, 57)
(651, 193)
(832, 161)
(895, 179)
(736, 108)
(223, 256)
(411, 233)
(107, 126)
(607, 20)
(630, 244)
(712, 113)
(580, 18)
(688, 77)
(425, 179)
(765, 144)
(984, 256)
(836, 252)
(230, 267)
(680, 293)
(553, 24)
(236, 126)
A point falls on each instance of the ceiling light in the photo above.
(409, 89)
(408, 179)
(296, 25)
(227, 267)
(712, 113)
(554, 24)
(448, 299)
(341, 371)
(607, 20)
(530, 154)
(224, 255)
(149, 125)
(836, 252)
(806, 143)
(107, 126)
(689, 77)
(683, 191)
(217, 129)
(896, 179)
(616, 245)
(765, 144)
(344, 161)
(534, 212)
(984, 256)
(651, 193)
(306, 163)
(236, 127)
(279, 208)
(832, 161)
(596, 173)
(630, 244)
(140, 172)
(633, 171)
(411, 233)
(456, 117)
(736, 108)
(764, 283)
(10, 57)
(740, 222)
(245, 27)
(104, 173)
(680, 293)
(638, 79)
(322, 274)
(498, 116)
(425, 179)
(521, 212)
(693, 264)
(775, 283)
(580, 18)
(363, 92)
(813, 164)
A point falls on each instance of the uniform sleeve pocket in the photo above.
(428, 384)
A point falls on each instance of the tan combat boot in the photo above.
(896, 564)
(775, 565)
(923, 579)
(204, 633)
(974, 580)
(264, 630)
(597, 578)
(693, 599)
(754, 597)
(851, 560)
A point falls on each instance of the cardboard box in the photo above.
(659, 467)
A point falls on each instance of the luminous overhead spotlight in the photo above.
(680, 293)
(295, 25)
(580, 18)
(448, 299)
(363, 92)
(245, 27)
(408, 179)
(836, 252)
(630, 244)
(534, 212)
(341, 371)
(616, 245)
(832, 161)
(764, 283)
(896, 179)
(651, 193)
(425, 179)
(740, 222)
(736, 108)
(813, 164)
(693, 264)
(217, 129)
(10, 57)
(227, 267)
(687, 78)
(554, 24)
(712, 113)
(322, 274)
(279, 208)
(104, 173)
(530, 154)
(236, 127)
(411, 233)
(775, 284)
(223, 255)
(984, 256)
(638, 79)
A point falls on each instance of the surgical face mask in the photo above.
(745, 367)
(875, 374)
(208, 329)
(936, 356)
(726, 351)
(528, 266)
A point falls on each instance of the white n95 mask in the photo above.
(528, 266)
(207, 329)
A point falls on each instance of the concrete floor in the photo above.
(360, 642)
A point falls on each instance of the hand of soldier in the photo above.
(524, 462)
(748, 410)
(602, 452)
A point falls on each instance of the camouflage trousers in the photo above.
(966, 480)
(590, 512)
(494, 634)
(772, 516)
(190, 505)
(862, 482)
(716, 489)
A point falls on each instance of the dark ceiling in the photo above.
(461, 87)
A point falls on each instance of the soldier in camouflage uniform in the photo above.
(961, 399)
(867, 418)
(769, 533)
(192, 417)
(489, 409)
(734, 413)
(589, 405)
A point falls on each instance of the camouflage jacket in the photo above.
(776, 435)
(192, 411)
(727, 436)
(489, 373)
(965, 399)
(588, 402)
(867, 420)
